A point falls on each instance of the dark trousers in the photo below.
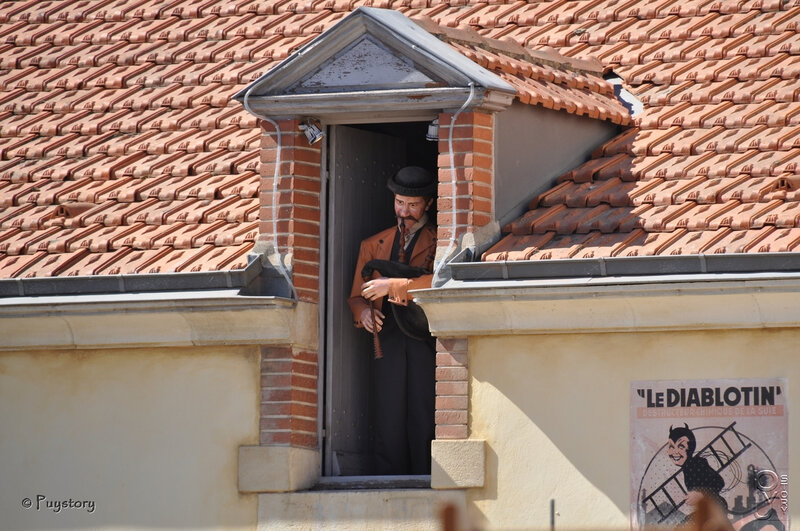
(403, 395)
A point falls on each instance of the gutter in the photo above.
(627, 266)
(254, 280)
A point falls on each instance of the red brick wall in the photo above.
(289, 397)
(298, 214)
(473, 159)
(452, 388)
(289, 376)
(473, 150)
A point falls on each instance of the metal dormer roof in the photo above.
(374, 60)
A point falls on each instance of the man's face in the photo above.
(678, 450)
(410, 209)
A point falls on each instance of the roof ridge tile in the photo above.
(470, 38)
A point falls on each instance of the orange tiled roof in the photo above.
(540, 77)
(120, 151)
(711, 165)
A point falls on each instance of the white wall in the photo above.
(149, 435)
(554, 410)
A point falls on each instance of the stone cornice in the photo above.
(153, 320)
(703, 302)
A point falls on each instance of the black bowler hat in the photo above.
(413, 181)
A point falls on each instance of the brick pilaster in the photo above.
(452, 388)
(288, 397)
(473, 152)
(298, 212)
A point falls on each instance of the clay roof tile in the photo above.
(121, 106)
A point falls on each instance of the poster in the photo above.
(725, 438)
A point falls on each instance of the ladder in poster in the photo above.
(720, 462)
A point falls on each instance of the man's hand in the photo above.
(375, 289)
(366, 320)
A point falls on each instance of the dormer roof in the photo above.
(380, 61)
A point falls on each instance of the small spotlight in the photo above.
(433, 131)
(312, 130)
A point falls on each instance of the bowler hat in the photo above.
(413, 181)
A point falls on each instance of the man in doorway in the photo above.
(403, 386)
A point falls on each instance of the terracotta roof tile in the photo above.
(536, 78)
(91, 263)
(777, 138)
(780, 241)
(650, 244)
(20, 242)
(739, 241)
(13, 266)
(562, 247)
(694, 242)
(55, 264)
(608, 245)
(517, 247)
(98, 238)
(66, 237)
(701, 132)
(179, 236)
(115, 114)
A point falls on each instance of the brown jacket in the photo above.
(379, 247)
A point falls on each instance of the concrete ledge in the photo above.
(711, 302)
(155, 320)
(277, 468)
(398, 509)
(458, 463)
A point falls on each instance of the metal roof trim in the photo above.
(255, 279)
(384, 25)
(627, 266)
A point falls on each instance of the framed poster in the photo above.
(727, 439)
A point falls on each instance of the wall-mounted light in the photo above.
(433, 131)
(312, 129)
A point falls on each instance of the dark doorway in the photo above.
(360, 160)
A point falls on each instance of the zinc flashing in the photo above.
(628, 266)
(395, 27)
(255, 279)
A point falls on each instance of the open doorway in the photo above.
(360, 160)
